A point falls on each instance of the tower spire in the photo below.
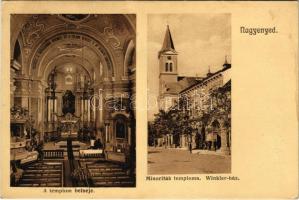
(168, 44)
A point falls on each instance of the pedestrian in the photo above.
(190, 148)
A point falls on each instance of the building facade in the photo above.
(198, 100)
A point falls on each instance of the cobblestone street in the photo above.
(180, 161)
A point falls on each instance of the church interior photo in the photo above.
(72, 100)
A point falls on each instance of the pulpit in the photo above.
(21, 149)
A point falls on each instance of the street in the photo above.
(180, 161)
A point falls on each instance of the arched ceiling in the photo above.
(70, 51)
(70, 76)
(104, 41)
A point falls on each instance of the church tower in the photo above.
(168, 72)
(167, 63)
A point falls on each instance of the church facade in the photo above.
(73, 78)
(196, 110)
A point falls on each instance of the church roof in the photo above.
(173, 88)
(227, 66)
(183, 82)
(168, 43)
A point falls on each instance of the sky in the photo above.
(201, 40)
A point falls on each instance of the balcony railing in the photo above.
(53, 154)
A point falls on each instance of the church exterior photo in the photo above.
(194, 112)
(72, 100)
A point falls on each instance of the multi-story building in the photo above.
(210, 120)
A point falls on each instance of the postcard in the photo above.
(141, 99)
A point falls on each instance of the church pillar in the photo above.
(78, 108)
(82, 110)
(107, 132)
(42, 116)
(111, 133)
(96, 112)
(88, 110)
(49, 106)
(55, 109)
(37, 106)
(93, 106)
(14, 67)
(101, 106)
(129, 134)
(12, 86)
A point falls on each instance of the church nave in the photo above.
(72, 100)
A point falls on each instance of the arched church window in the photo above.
(17, 52)
(166, 67)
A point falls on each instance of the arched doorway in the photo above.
(217, 134)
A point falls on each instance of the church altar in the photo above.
(68, 125)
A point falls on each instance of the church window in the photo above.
(169, 57)
(68, 79)
(166, 67)
(170, 67)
